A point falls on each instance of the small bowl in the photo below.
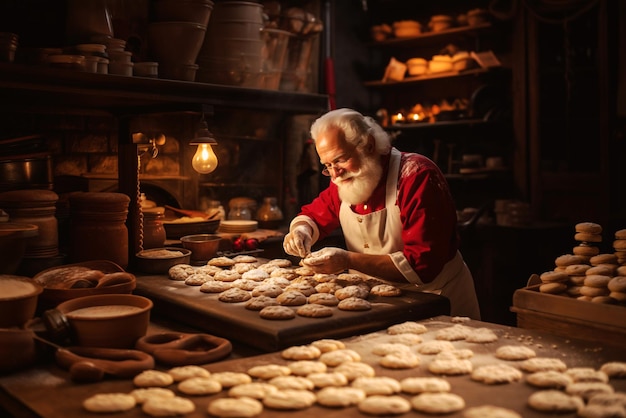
(159, 260)
(111, 321)
(51, 297)
(175, 230)
(203, 246)
(18, 300)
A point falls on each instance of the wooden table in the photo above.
(46, 391)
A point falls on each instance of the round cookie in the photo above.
(554, 401)
(586, 390)
(354, 304)
(406, 339)
(386, 290)
(384, 405)
(257, 275)
(514, 352)
(537, 364)
(415, 385)
(587, 374)
(164, 407)
(241, 268)
(577, 269)
(221, 262)
(407, 327)
(450, 367)
(346, 360)
(602, 269)
(454, 333)
(603, 259)
(549, 379)
(592, 292)
(352, 291)
(197, 279)
(305, 288)
(292, 382)
(215, 286)
(153, 378)
(596, 280)
(142, 394)
(180, 272)
(461, 353)
(620, 234)
(493, 374)
(325, 299)
(186, 372)
(306, 367)
(586, 250)
(595, 411)
(614, 369)
(382, 349)
(618, 296)
(377, 385)
(227, 276)
(291, 298)
(200, 386)
(230, 379)
(327, 379)
(301, 352)
(234, 295)
(280, 262)
(246, 284)
(109, 402)
(438, 403)
(254, 390)
(245, 258)
(553, 277)
(257, 303)
(617, 284)
(340, 396)
(269, 371)
(242, 407)
(588, 227)
(490, 411)
(434, 347)
(400, 361)
(567, 260)
(277, 312)
(481, 336)
(355, 369)
(553, 288)
(290, 399)
(314, 310)
(603, 299)
(328, 344)
(587, 237)
(267, 289)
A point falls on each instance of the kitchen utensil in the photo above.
(179, 349)
(18, 300)
(203, 246)
(87, 364)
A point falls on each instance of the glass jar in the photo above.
(98, 227)
(269, 214)
(240, 212)
(153, 230)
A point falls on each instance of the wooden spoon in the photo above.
(188, 212)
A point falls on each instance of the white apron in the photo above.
(380, 232)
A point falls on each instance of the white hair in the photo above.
(356, 128)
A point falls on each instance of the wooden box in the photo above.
(569, 317)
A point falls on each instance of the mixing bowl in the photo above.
(18, 300)
(203, 246)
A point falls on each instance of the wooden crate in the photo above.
(569, 317)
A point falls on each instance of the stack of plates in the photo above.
(238, 227)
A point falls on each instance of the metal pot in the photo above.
(27, 172)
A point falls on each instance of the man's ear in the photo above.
(370, 147)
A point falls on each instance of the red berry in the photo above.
(252, 244)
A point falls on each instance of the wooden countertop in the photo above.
(46, 391)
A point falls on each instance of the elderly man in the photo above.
(395, 209)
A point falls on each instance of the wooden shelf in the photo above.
(441, 124)
(23, 85)
(429, 77)
(428, 37)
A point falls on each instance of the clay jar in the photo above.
(17, 349)
(35, 207)
(97, 227)
(153, 230)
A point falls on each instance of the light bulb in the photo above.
(205, 160)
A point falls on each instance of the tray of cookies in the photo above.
(270, 304)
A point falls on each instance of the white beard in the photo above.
(361, 183)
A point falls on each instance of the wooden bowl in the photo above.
(18, 300)
(175, 230)
(159, 260)
(203, 246)
(111, 321)
(52, 296)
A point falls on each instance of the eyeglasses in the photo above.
(338, 164)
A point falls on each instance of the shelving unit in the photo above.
(31, 89)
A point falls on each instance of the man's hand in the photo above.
(298, 241)
(328, 260)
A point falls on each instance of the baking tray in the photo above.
(204, 311)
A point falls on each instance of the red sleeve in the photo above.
(324, 210)
(428, 216)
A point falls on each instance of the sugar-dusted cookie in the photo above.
(292, 382)
(498, 373)
(515, 352)
(424, 384)
(384, 405)
(254, 390)
(290, 399)
(554, 401)
(109, 402)
(377, 385)
(277, 312)
(314, 310)
(234, 295)
(354, 304)
(437, 403)
(256, 303)
(221, 262)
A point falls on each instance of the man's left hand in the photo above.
(329, 260)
